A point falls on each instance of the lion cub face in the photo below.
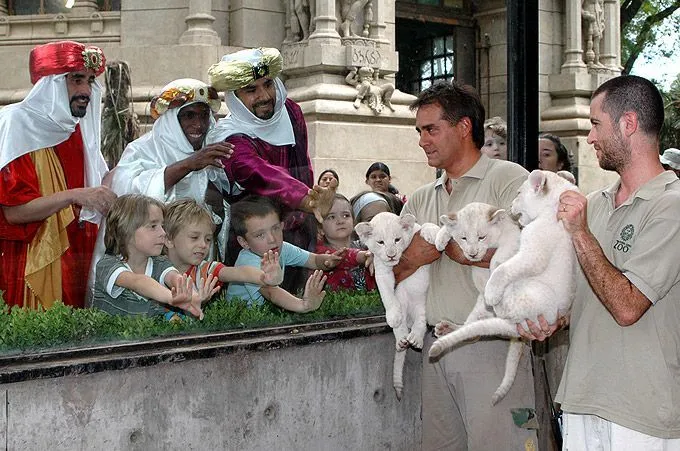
(387, 235)
(475, 228)
(540, 193)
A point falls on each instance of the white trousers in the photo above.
(592, 433)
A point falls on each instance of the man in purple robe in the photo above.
(270, 155)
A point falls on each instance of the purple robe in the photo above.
(283, 173)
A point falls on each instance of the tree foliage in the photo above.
(670, 132)
(644, 24)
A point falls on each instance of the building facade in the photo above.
(353, 65)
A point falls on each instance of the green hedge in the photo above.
(60, 326)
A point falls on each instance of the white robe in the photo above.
(141, 169)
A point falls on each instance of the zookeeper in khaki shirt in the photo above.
(456, 390)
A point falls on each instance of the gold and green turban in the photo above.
(239, 69)
(179, 93)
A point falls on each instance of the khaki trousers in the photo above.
(456, 399)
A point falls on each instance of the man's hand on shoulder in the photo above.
(99, 198)
(210, 155)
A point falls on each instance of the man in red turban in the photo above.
(51, 170)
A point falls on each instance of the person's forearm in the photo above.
(241, 274)
(174, 173)
(318, 262)
(144, 286)
(260, 177)
(39, 208)
(620, 297)
(280, 297)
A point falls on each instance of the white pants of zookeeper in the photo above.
(592, 433)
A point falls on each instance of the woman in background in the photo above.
(552, 154)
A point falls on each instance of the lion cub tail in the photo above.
(511, 363)
(398, 372)
(483, 328)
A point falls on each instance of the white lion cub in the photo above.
(538, 279)
(387, 236)
(476, 228)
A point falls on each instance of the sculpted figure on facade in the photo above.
(350, 12)
(592, 13)
(365, 80)
(301, 14)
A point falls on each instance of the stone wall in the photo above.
(329, 388)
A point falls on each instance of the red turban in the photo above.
(64, 56)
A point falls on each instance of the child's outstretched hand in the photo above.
(332, 260)
(314, 292)
(273, 273)
(183, 294)
(206, 289)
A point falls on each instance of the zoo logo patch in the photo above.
(626, 234)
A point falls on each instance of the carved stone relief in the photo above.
(356, 17)
(365, 80)
(301, 15)
(592, 13)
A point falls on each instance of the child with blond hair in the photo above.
(190, 229)
(133, 278)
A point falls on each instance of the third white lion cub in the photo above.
(538, 280)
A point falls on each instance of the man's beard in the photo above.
(77, 110)
(614, 154)
(266, 115)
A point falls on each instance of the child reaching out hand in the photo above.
(132, 278)
(337, 228)
(190, 230)
(258, 229)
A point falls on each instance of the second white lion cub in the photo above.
(540, 279)
(476, 228)
(387, 236)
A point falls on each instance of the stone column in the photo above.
(573, 52)
(3, 7)
(199, 25)
(611, 54)
(326, 22)
(85, 7)
(377, 26)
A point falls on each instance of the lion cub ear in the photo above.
(451, 219)
(497, 215)
(537, 180)
(364, 230)
(407, 221)
(568, 176)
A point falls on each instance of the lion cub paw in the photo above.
(444, 327)
(429, 232)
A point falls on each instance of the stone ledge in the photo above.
(119, 356)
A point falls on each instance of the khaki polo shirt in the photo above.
(631, 375)
(452, 294)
